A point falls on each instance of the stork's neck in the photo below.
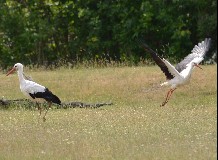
(20, 76)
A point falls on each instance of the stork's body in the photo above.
(33, 90)
(181, 74)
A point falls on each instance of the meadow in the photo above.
(135, 127)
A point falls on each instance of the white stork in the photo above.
(34, 91)
(181, 74)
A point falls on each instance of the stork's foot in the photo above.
(44, 119)
(40, 109)
(163, 104)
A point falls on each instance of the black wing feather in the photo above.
(157, 60)
(47, 95)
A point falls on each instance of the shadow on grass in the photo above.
(28, 104)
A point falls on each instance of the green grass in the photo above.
(135, 127)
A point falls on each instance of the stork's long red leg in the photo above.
(44, 119)
(169, 93)
(166, 100)
(39, 108)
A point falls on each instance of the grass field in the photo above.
(134, 128)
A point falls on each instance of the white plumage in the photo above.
(181, 74)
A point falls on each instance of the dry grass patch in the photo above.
(135, 127)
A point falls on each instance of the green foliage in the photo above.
(51, 31)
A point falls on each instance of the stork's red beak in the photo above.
(11, 71)
(198, 66)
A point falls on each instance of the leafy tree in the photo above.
(49, 32)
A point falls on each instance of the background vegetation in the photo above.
(55, 32)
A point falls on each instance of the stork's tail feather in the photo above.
(164, 84)
(49, 96)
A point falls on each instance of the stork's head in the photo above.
(196, 61)
(197, 65)
(17, 67)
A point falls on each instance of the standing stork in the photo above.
(181, 74)
(33, 90)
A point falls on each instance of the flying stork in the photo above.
(33, 90)
(181, 73)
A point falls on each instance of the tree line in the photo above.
(52, 32)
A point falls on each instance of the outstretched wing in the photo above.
(198, 51)
(157, 60)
